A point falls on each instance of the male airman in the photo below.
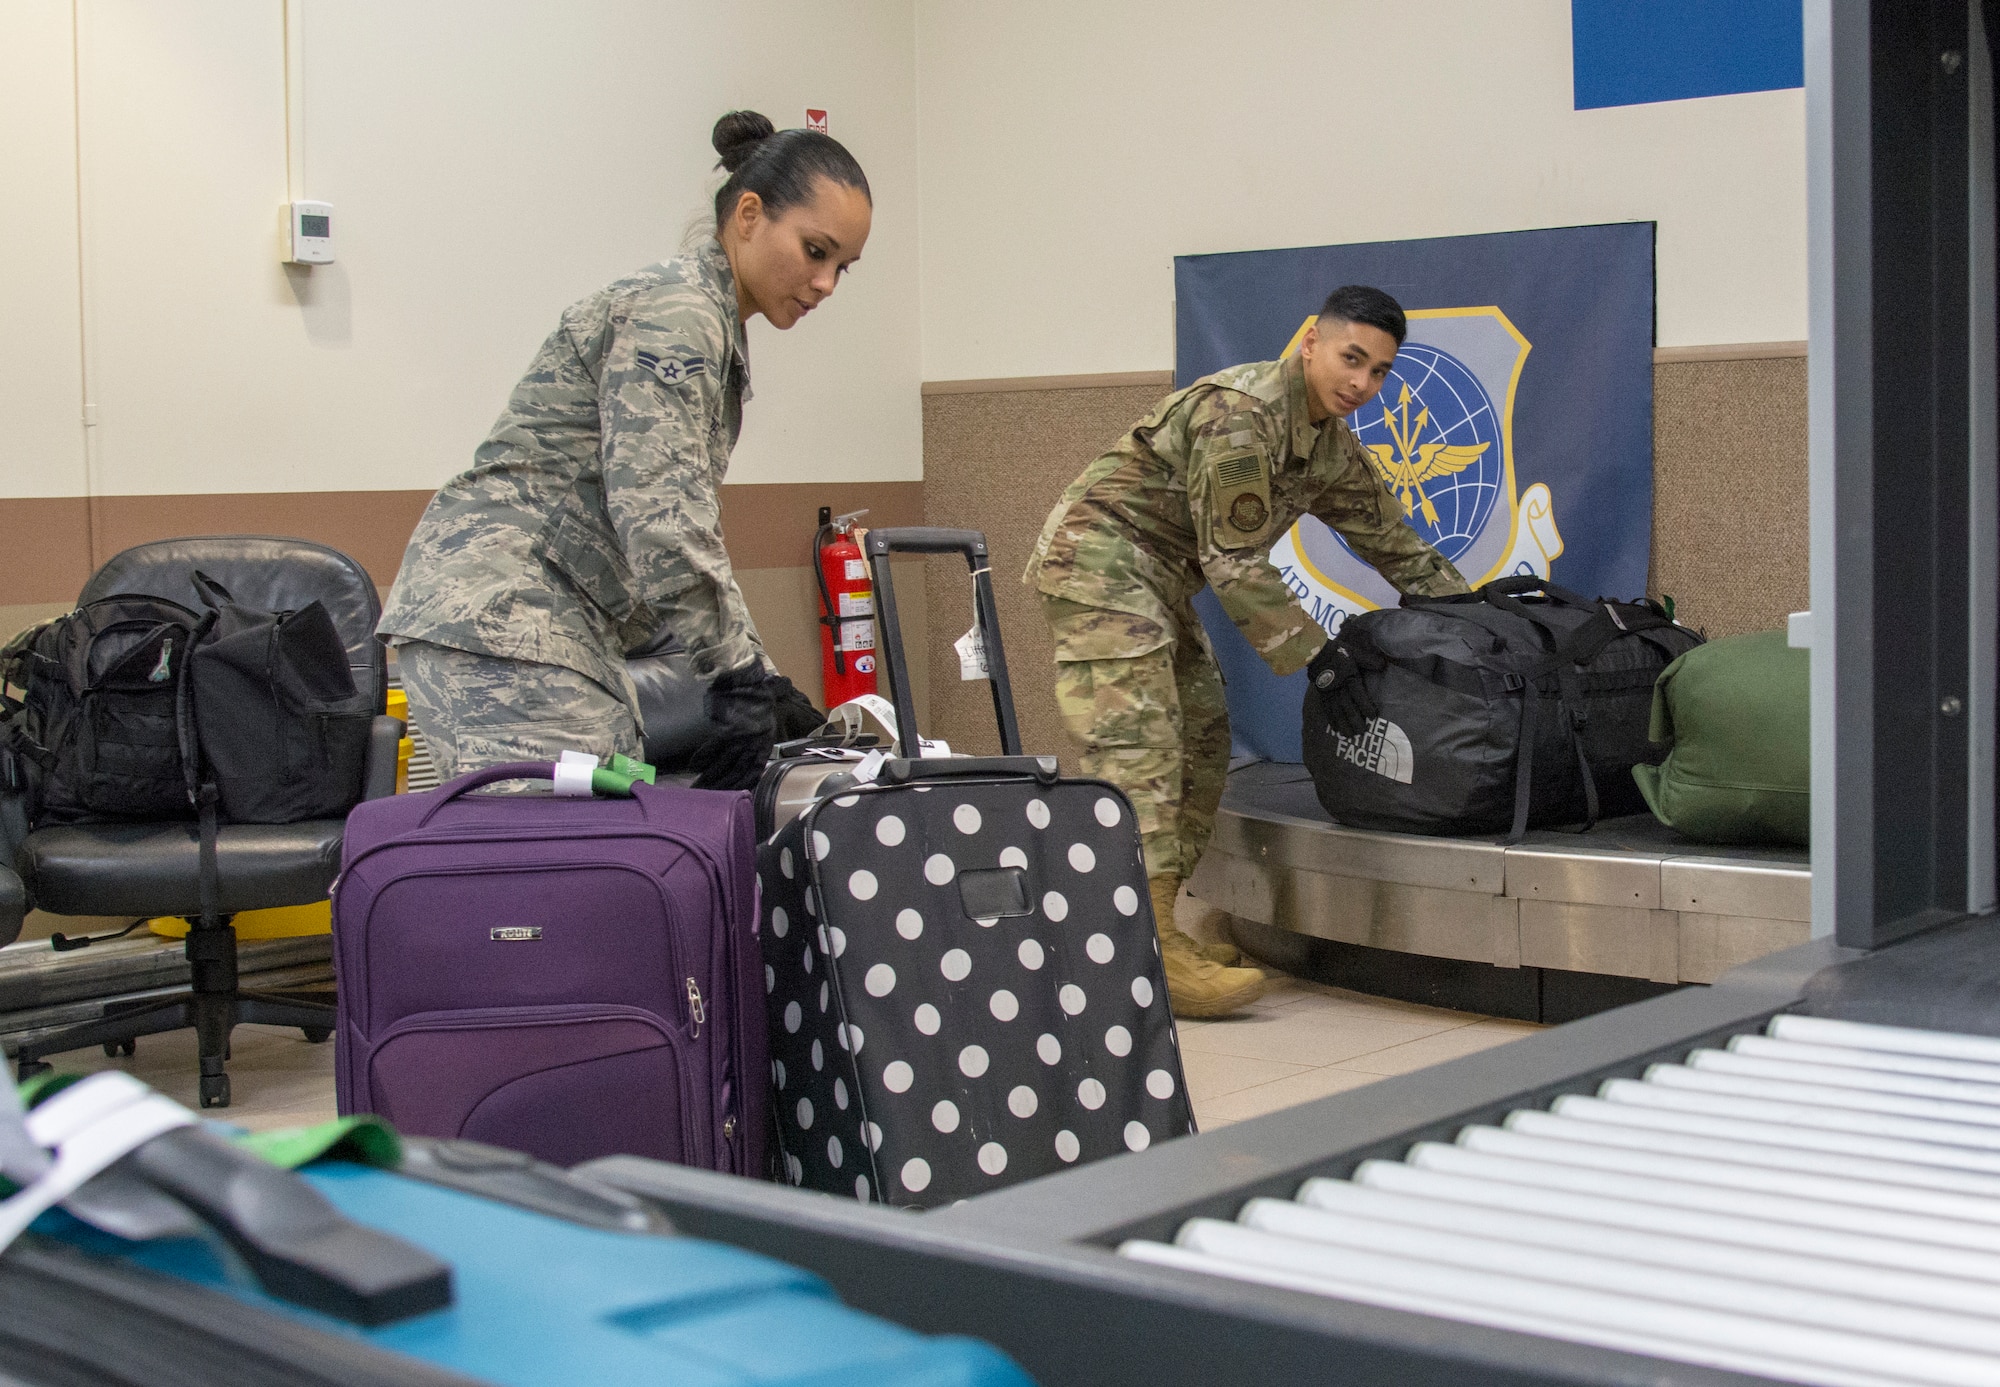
(1196, 493)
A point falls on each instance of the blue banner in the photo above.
(1516, 427)
(1628, 52)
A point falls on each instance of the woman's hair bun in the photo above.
(737, 135)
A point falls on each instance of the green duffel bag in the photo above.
(1735, 713)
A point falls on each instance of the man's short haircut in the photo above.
(1357, 303)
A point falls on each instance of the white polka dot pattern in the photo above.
(1016, 1045)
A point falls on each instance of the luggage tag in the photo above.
(971, 648)
(578, 775)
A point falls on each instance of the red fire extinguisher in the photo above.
(847, 609)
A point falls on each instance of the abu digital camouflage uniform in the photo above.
(590, 516)
(1195, 495)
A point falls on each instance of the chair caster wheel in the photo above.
(317, 1035)
(215, 1090)
(114, 1048)
(25, 1070)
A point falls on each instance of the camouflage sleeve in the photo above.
(1230, 453)
(1362, 510)
(660, 399)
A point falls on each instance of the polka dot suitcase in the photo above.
(964, 984)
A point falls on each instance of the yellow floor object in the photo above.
(282, 922)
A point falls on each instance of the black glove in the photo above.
(1339, 673)
(742, 703)
(796, 715)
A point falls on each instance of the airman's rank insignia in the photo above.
(671, 370)
(1248, 512)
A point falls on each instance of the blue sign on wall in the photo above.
(1516, 427)
(1627, 52)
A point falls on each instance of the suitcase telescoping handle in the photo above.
(925, 539)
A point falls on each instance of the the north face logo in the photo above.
(1384, 749)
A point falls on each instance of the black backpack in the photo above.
(1519, 706)
(101, 730)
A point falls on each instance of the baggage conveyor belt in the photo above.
(1560, 926)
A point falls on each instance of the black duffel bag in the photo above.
(1519, 706)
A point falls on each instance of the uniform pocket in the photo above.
(579, 543)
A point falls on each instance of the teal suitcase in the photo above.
(544, 1295)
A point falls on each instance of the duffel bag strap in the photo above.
(1524, 762)
(1503, 590)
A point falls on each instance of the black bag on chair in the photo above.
(101, 727)
(283, 732)
(1519, 706)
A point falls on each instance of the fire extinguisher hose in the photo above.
(827, 617)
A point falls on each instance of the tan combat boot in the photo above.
(1196, 986)
(1213, 927)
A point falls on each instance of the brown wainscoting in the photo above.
(52, 544)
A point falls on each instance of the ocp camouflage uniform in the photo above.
(1196, 494)
(590, 516)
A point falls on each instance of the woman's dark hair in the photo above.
(780, 166)
(1357, 303)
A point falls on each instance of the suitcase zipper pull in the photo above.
(695, 1008)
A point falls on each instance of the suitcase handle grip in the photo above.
(492, 775)
(927, 539)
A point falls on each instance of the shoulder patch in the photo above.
(673, 370)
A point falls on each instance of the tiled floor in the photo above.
(1301, 1042)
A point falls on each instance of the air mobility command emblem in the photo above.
(1441, 437)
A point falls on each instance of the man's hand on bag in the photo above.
(742, 703)
(1339, 673)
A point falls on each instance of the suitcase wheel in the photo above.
(25, 1070)
(316, 1035)
(215, 1090)
(115, 1048)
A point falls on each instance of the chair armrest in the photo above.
(378, 779)
(13, 904)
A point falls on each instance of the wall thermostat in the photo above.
(309, 233)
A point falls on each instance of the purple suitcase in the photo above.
(572, 978)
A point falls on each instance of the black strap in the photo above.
(1524, 762)
(206, 799)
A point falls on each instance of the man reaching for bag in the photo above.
(1196, 493)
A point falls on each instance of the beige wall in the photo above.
(1729, 527)
(1071, 151)
(488, 163)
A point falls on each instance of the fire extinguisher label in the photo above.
(857, 569)
(857, 604)
(857, 635)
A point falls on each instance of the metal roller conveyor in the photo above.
(1739, 1241)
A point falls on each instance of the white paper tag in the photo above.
(573, 778)
(971, 648)
(933, 750)
(869, 767)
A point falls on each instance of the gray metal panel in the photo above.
(1716, 886)
(1601, 939)
(1585, 875)
(1282, 840)
(1711, 945)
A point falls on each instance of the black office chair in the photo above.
(13, 904)
(150, 868)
